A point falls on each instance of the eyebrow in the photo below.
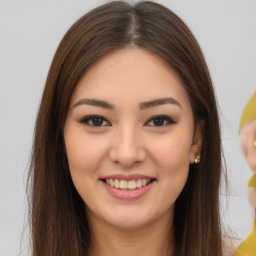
(157, 102)
(143, 105)
(94, 102)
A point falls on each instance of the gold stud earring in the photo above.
(254, 143)
(197, 158)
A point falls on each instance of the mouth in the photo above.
(128, 184)
(128, 187)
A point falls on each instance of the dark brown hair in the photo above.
(58, 221)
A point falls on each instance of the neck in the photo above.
(154, 239)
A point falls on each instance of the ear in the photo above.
(197, 142)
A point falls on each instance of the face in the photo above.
(130, 138)
(247, 139)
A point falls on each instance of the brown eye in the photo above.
(95, 121)
(159, 121)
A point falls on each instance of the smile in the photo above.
(129, 187)
(125, 184)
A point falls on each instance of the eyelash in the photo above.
(89, 119)
(166, 119)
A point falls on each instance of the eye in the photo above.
(160, 120)
(95, 121)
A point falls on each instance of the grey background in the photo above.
(29, 34)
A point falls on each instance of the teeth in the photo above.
(116, 183)
(139, 183)
(111, 183)
(131, 184)
(124, 184)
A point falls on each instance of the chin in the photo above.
(135, 217)
(128, 219)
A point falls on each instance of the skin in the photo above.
(129, 141)
(247, 138)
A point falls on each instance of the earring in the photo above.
(197, 158)
(254, 143)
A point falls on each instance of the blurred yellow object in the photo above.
(249, 112)
(252, 183)
(248, 246)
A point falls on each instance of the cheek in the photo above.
(84, 153)
(172, 159)
(172, 152)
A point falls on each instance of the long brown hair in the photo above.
(58, 222)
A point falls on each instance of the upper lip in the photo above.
(127, 177)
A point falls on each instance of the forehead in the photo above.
(132, 74)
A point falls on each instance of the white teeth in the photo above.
(124, 184)
(139, 183)
(116, 183)
(111, 183)
(131, 184)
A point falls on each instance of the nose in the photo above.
(127, 148)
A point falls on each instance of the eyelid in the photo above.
(167, 119)
(85, 120)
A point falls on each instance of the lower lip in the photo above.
(125, 194)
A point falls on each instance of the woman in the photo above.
(126, 154)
